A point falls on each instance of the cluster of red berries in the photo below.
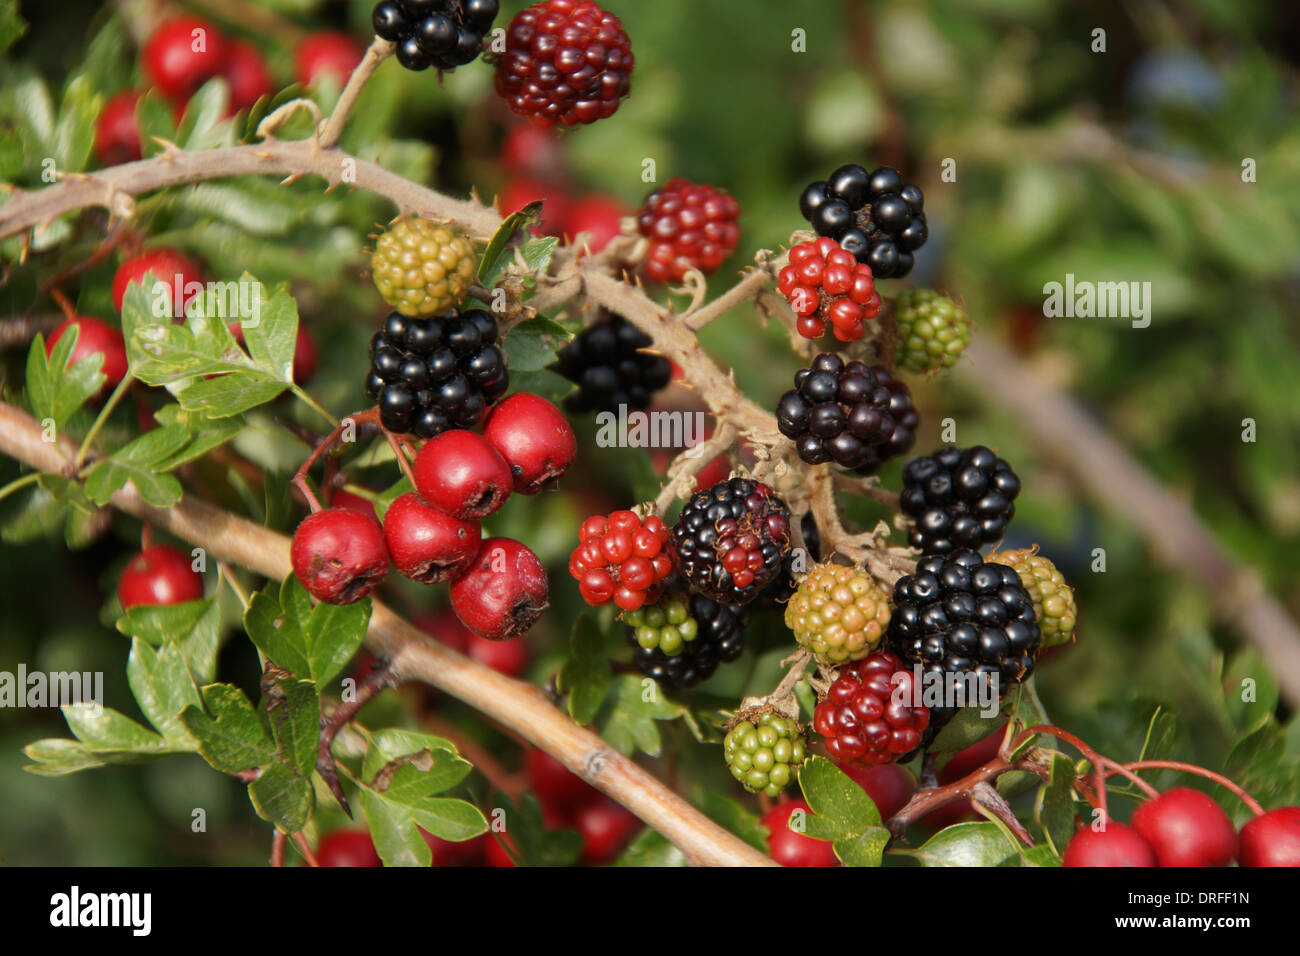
(690, 226)
(825, 283)
(622, 558)
(433, 534)
(869, 716)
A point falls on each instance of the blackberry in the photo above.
(719, 638)
(794, 567)
(422, 267)
(1053, 599)
(849, 413)
(439, 33)
(958, 614)
(958, 499)
(933, 331)
(430, 375)
(690, 226)
(873, 215)
(764, 751)
(839, 613)
(607, 364)
(871, 713)
(730, 541)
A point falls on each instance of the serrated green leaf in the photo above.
(283, 797)
(650, 848)
(396, 838)
(30, 515)
(194, 626)
(864, 849)
(586, 673)
(627, 718)
(67, 491)
(105, 729)
(161, 683)
(842, 808)
(319, 646)
(293, 712)
(56, 756)
(966, 844)
(74, 132)
(229, 735)
(54, 389)
(201, 126)
(532, 345)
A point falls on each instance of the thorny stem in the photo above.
(332, 128)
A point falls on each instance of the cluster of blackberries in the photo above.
(871, 214)
(609, 368)
(719, 638)
(429, 375)
(958, 499)
(958, 614)
(849, 413)
(441, 33)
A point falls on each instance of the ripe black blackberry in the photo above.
(441, 33)
(606, 362)
(958, 499)
(731, 539)
(849, 413)
(958, 614)
(720, 638)
(429, 375)
(874, 215)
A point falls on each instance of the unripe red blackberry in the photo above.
(958, 499)
(621, 558)
(871, 214)
(422, 267)
(607, 362)
(690, 226)
(826, 284)
(839, 613)
(932, 331)
(849, 413)
(709, 634)
(868, 716)
(1053, 599)
(339, 555)
(504, 591)
(764, 752)
(566, 62)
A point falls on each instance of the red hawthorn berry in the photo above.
(166, 265)
(534, 438)
(459, 472)
(825, 283)
(94, 337)
(117, 134)
(469, 852)
(182, 55)
(518, 193)
(690, 226)
(327, 52)
(790, 847)
(621, 558)
(159, 575)
(1186, 828)
(556, 786)
(888, 785)
(1117, 845)
(1272, 839)
(343, 498)
(503, 593)
(339, 555)
(247, 75)
(598, 216)
(428, 545)
(495, 852)
(606, 827)
(529, 150)
(347, 848)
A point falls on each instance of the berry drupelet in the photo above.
(430, 375)
(690, 226)
(958, 499)
(607, 364)
(873, 215)
(867, 716)
(846, 412)
(718, 636)
(439, 33)
(730, 541)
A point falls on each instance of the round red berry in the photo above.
(566, 61)
(182, 55)
(787, 844)
(1117, 845)
(347, 848)
(556, 786)
(868, 716)
(495, 852)
(1272, 839)
(888, 785)
(326, 52)
(247, 75)
(469, 852)
(690, 226)
(428, 545)
(505, 657)
(530, 150)
(159, 575)
(339, 555)
(459, 472)
(94, 337)
(504, 591)
(599, 217)
(354, 502)
(826, 284)
(1186, 828)
(534, 438)
(117, 134)
(606, 827)
(621, 558)
(172, 268)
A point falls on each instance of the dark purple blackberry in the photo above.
(429, 375)
(958, 614)
(849, 413)
(958, 499)
(720, 639)
(609, 368)
(874, 215)
(731, 539)
(440, 33)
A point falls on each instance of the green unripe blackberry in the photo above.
(1053, 599)
(933, 331)
(667, 625)
(764, 752)
(422, 267)
(839, 613)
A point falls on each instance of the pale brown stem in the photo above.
(332, 128)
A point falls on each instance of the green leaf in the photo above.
(230, 736)
(652, 849)
(444, 767)
(318, 646)
(842, 807)
(1250, 691)
(531, 345)
(863, 849)
(586, 674)
(283, 797)
(33, 514)
(293, 711)
(103, 729)
(193, 626)
(74, 133)
(1159, 739)
(966, 844)
(1054, 804)
(161, 683)
(54, 389)
(56, 756)
(201, 126)
(156, 120)
(498, 253)
(732, 816)
(627, 718)
(141, 463)
(12, 26)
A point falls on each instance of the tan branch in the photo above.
(332, 128)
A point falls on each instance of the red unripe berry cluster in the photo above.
(621, 558)
(867, 717)
(825, 283)
(689, 226)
